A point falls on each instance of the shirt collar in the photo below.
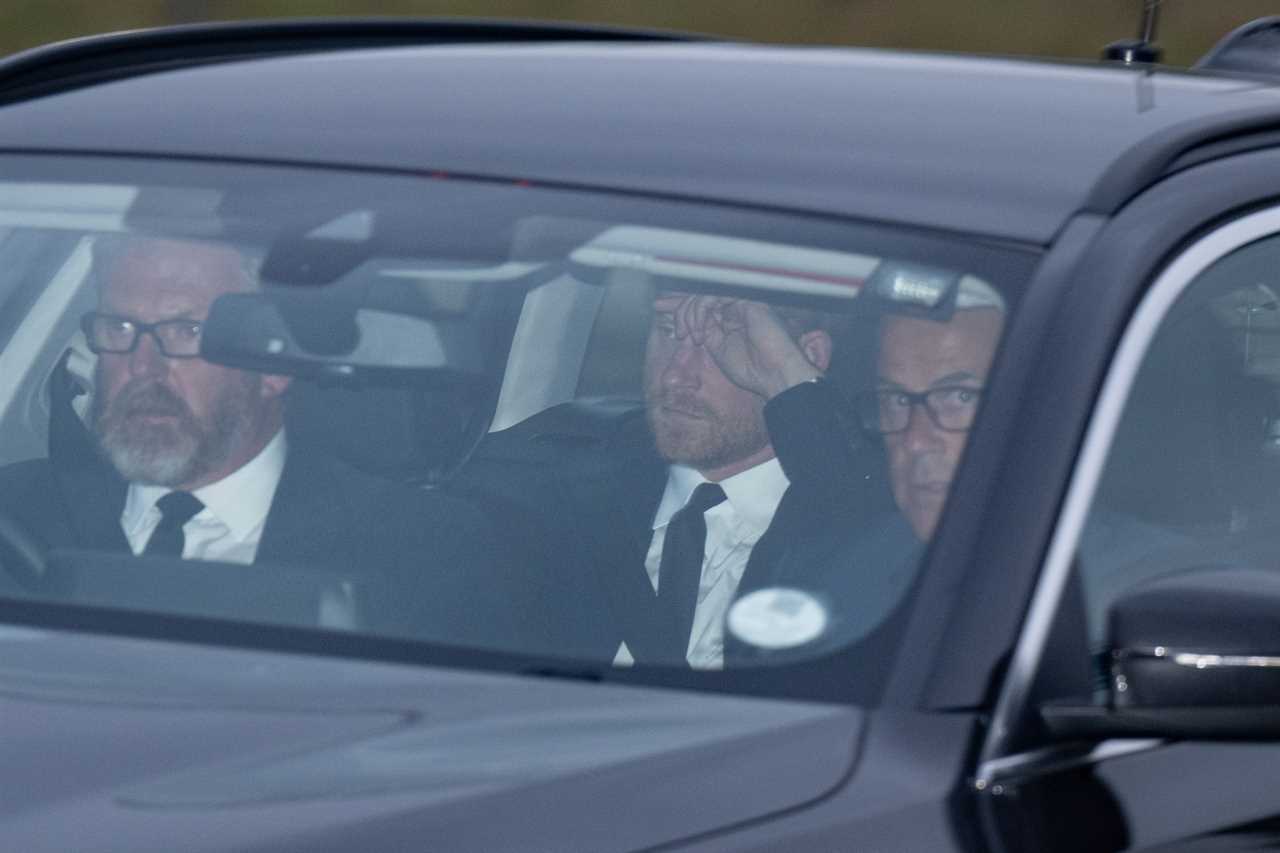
(239, 500)
(754, 493)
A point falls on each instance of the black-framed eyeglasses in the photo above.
(888, 410)
(110, 333)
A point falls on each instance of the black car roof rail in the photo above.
(96, 59)
(1177, 147)
(1252, 50)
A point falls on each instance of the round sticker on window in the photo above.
(778, 618)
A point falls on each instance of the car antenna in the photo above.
(1142, 50)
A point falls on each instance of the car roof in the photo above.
(1003, 148)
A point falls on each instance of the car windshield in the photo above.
(440, 414)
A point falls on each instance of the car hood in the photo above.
(111, 743)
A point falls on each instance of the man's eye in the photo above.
(957, 397)
(891, 399)
(189, 331)
(116, 328)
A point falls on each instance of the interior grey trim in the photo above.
(1089, 467)
(547, 349)
(1209, 660)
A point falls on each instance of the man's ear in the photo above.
(273, 385)
(816, 346)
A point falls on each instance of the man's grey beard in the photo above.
(175, 452)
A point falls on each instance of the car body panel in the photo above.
(902, 796)
(842, 132)
(154, 744)
(1066, 343)
(159, 741)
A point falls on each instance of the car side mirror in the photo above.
(1193, 654)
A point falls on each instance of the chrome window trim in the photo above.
(1090, 464)
(1210, 660)
(1062, 757)
(547, 350)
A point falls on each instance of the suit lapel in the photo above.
(617, 524)
(792, 519)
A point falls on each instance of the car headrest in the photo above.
(408, 434)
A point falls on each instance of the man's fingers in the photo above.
(687, 321)
(708, 320)
(702, 317)
(733, 315)
(677, 305)
(725, 315)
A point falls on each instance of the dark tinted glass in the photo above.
(454, 395)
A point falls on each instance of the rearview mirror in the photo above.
(314, 335)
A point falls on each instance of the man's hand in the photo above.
(748, 341)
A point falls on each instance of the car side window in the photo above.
(1192, 478)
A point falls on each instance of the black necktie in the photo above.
(680, 571)
(176, 509)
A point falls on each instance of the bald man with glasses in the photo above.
(930, 380)
(930, 373)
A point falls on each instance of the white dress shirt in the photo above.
(733, 528)
(235, 510)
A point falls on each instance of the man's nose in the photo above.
(146, 358)
(684, 367)
(922, 434)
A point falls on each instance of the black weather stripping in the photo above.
(97, 59)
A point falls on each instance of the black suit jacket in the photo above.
(429, 560)
(588, 499)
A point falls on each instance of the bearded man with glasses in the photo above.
(166, 419)
(192, 461)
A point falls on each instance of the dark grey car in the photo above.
(459, 229)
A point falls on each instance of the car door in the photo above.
(1178, 471)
